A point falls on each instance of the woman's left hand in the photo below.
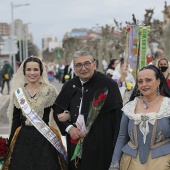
(63, 117)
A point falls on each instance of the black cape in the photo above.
(99, 143)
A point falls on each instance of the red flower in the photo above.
(2, 140)
(95, 102)
(127, 29)
(2, 154)
(102, 97)
(3, 147)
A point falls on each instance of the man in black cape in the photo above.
(76, 96)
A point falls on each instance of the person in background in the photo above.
(60, 72)
(111, 68)
(157, 56)
(77, 97)
(18, 65)
(125, 80)
(144, 137)
(33, 144)
(66, 75)
(71, 70)
(51, 71)
(97, 64)
(105, 65)
(6, 73)
(163, 66)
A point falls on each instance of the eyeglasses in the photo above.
(80, 65)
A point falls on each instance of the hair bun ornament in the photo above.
(36, 57)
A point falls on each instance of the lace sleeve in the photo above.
(114, 166)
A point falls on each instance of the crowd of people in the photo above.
(111, 121)
(59, 71)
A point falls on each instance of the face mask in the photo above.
(163, 68)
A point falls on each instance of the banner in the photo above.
(143, 32)
(133, 49)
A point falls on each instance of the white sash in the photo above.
(38, 123)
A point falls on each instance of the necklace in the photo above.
(146, 104)
(33, 92)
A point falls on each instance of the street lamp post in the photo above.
(20, 39)
(25, 40)
(13, 32)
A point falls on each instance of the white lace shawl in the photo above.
(44, 98)
(19, 81)
(142, 119)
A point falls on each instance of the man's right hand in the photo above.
(63, 117)
(75, 133)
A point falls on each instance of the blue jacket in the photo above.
(131, 141)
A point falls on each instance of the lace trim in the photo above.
(114, 166)
(44, 98)
(144, 119)
(129, 109)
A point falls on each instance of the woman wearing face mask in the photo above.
(163, 66)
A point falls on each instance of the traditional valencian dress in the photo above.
(144, 139)
(29, 149)
(33, 144)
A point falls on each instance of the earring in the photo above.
(140, 94)
(158, 92)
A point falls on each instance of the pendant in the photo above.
(145, 105)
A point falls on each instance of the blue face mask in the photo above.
(163, 68)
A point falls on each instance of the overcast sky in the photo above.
(56, 17)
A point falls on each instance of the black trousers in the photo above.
(3, 83)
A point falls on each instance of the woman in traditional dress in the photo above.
(163, 65)
(125, 80)
(144, 137)
(33, 145)
(111, 68)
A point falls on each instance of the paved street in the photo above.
(4, 102)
